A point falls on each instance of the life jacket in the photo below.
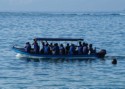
(46, 49)
(80, 50)
(28, 48)
(36, 48)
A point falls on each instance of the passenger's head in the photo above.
(86, 44)
(56, 44)
(90, 45)
(27, 43)
(34, 40)
(61, 45)
(51, 44)
(47, 44)
(67, 44)
(42, 43)
(80, 43)
(72, 44)
(83, 44)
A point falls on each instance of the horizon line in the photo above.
(60, 11)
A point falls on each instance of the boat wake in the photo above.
(18, 55)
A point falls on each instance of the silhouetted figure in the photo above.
(114, 61)
(62, 49)
(51, 47)
(42, 49)
(91, 50)
(36, 46)
(67, 48)
(80, 48)
(72, 49)
(56, 49)
(46, 49)
(28, 47)
(85, 49)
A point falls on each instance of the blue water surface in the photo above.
(103, 30)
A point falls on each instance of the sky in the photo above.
(62, 5)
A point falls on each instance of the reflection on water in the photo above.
(67, 73)
(61, 60)
(57, 60)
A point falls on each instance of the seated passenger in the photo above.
(91, 50)
(62, 50)
(85, 49)
(56, 49)
(28, 47)
(72, 49)
(51, 47)
(67, 48)
(43, 45)
(80, 48)
(36, 46)
(46, 49)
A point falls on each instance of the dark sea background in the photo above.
(103, 30)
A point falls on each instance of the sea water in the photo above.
(103, 30)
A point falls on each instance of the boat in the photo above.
(21, 51)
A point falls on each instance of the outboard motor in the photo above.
(101, 53)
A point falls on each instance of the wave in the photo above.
(60, 14)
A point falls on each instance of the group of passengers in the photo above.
(56, 49)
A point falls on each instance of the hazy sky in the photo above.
(62, 5)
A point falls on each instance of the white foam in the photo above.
(19, 55)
